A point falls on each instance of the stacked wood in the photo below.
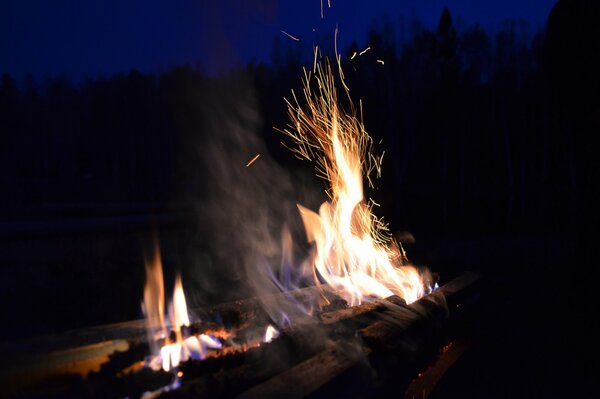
(397, 318)
(308, 355)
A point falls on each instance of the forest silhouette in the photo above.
(471, 123)
(485, 134)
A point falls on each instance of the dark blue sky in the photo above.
(82, 38)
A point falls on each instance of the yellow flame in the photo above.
(354, 252)
(179, 314)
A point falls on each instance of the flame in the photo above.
(354, 252)
(176, 348)
(271, 333)
(154, 298)
(178, 309)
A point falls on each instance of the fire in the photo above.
(270, 334)
(354, 252)
(177, 348)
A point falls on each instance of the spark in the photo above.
(364, 51)
(290, 36)
(328, 6)
(252, 160)
(381, 62)
(353, 55)
(338, 58)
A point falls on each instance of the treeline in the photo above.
(474, 134)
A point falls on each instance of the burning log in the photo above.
(312, 374)
(347, 337)
(81, 352)
(431, 310)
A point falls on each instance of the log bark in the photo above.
(306, 377)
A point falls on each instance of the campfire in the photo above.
(355, 303)
(353, 257)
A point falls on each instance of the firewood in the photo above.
(310, 375)
(362, 309)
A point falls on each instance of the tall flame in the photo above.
(153, 305)
(354, 252)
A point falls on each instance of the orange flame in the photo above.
(354, 252)
(153, 305)
(180, 349)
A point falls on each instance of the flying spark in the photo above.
(290, 36)
(252, 160)
(364, 51)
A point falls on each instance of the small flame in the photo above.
(354, 252)
(271, 333)
(178, 309)
(178, 349)
(153, 305)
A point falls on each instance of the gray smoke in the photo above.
(242, 212)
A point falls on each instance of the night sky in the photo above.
(101, 37)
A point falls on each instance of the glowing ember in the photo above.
(354, 252)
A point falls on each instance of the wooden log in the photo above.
(422, 386)
(312, 374)
(249, 368)
(362, 309)
(324, 363)
(244, 310)
(308, 376)
(79, 352)
(431, 310)
(347, 313)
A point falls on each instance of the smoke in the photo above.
(245, 215)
